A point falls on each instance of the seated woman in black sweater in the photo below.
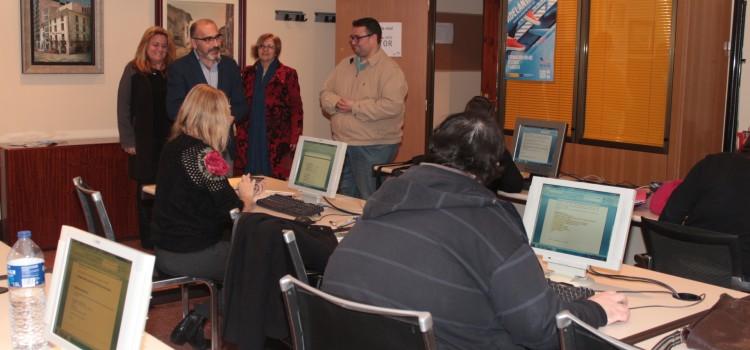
(193, 198)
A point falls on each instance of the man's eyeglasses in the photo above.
(208, 39)
(357, 38)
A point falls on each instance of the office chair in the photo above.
(694, 253)
(309, 277)
(94, 212)
(318, 320)
(98, 223)
(576, 334)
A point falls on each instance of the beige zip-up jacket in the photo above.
(378, 92)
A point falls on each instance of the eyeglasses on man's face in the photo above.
(208, 39)
(356, 38)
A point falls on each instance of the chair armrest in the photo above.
(644, 261)
(740, 283)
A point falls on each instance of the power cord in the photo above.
(340, 209)
(694, 298)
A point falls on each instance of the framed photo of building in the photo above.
(61, 36)
(176, 16)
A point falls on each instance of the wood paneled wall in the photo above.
(38, 194)
(698, 99)
(699, 84)
(413, 15)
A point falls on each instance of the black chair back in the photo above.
(294, 254)
(691, 252)
(322, 321)
(576, 334)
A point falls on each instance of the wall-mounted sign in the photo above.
(391, 42)
(530, 43)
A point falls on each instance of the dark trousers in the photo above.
(144, 206)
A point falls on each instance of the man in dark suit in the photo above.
(206, 65)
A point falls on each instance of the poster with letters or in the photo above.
(391, 39)
(530, 41)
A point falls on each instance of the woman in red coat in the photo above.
(266, 141)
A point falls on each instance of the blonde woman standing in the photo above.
(142, 115)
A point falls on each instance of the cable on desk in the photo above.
(702, 297)
(677, 295)
(670, 341)
(339, 209)
(332, 214)
(600, 180)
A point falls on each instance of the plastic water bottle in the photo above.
(26, 284)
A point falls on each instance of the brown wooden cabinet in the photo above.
(38, 194)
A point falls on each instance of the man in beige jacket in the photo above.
(364, 98)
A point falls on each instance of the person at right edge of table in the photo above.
(475, 271)
(364, 99)
(714, 196)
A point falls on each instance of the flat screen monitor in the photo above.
(99, 294)
(316, 169)
(538, 146)
(574, 225)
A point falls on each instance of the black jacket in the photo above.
(436, 240)
(192, 205)
(142, 120)
(714, 196)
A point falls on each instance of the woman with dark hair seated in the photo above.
(714, 196)
(474, 269)
(511, 180)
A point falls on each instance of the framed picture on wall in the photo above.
(177, 16)
(61, 36)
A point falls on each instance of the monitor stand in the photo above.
(567, 273)
(311, 198)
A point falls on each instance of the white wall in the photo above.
(454, 88)
(307, 47)
(744, 107)
(64, 106)
(68, 106)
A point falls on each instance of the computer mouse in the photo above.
(304, 219)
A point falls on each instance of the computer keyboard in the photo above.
(289, 205)
(568, 292)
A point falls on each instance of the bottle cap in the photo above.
(24, 234)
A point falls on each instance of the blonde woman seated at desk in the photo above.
(191, 210)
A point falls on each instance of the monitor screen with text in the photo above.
(575, 221)
(316, 168)
(93, 297)
(538, 146)
(99, 295)
(574, 225)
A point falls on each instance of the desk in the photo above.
(270, 184)
(148, 342)
(649, 323)
(645, 325)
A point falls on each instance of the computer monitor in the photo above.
(538, 146)
(99, 294)
(316, 169)
(574, 225)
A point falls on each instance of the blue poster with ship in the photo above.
(530, 41)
